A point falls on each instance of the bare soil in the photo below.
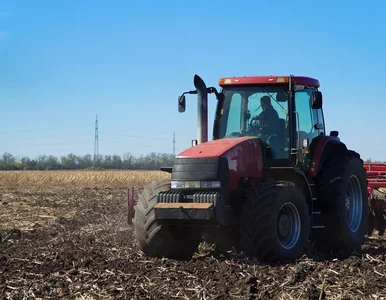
(76, 244)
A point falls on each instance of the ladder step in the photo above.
(318, 227)
(314, 199)
(316, 212)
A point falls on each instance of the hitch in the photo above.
(130, 205)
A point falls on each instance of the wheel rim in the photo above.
(353, 203)
(288, 225)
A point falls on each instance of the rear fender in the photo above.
(320, 149)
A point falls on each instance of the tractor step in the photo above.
(315, 208)
(316, 212)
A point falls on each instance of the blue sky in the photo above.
(63, 62)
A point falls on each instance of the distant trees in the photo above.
(369, 161)
(152, 161)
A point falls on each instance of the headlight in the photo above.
(176, 184)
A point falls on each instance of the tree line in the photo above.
(152, 161)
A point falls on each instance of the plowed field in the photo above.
(74, 243)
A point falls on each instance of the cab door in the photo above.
(308, 125)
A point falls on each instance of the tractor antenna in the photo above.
(96, 142)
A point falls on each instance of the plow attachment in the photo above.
(376, 176)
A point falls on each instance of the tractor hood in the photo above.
(214, 148)
(225, 160)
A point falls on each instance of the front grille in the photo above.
(196, 169)
(179, 197)
(170, 197)
(206, 197)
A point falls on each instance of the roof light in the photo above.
(281, 80)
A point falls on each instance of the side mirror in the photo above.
(316, 100)
(181, 103)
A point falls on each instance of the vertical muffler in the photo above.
(202, 110)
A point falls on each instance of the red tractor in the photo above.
(270, 182)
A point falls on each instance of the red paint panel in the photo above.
(244, 156)
(308, 81)
(375, 167)
(375, 184)
(213, 148)
(318, 152)
(376, 173)
(244, 160)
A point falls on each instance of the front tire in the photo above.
(160, 240)
(275, 222)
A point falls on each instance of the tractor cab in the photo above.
(284, 112)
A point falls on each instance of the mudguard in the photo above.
(320, 148)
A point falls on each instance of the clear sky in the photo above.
(64, 62)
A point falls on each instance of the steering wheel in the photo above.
(254, 129)
(254, 125)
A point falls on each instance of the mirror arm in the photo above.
(210, 90)
(189, 92)
(214, 90)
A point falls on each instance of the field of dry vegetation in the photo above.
(78, 179)
(64, 234)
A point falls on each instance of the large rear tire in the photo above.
(160, 240)
(341, 189)
(275, 222)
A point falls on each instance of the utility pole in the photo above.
(174, 144)
(96, 142)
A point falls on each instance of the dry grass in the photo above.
(78, 179)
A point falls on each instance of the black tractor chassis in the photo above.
(200, 207)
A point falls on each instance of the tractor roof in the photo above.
(250, 80)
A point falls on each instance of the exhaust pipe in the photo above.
(202, 110)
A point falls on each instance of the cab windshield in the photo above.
(242, 104)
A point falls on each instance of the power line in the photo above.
(159, 138)
(38, 137)
(51, 144)
(44, 129)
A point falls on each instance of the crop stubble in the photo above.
(73, 242)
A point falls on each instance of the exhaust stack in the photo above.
(202, 110)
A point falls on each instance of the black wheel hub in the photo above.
(284, 225)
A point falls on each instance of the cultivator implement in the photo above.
(376, 176)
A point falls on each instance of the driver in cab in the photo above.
(269, 118)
